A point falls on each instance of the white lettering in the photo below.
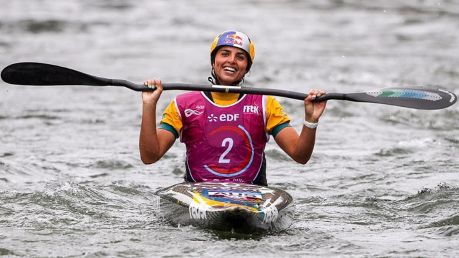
(251, 109)
(229, 117)
(197, 211)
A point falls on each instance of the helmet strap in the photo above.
(213, 77)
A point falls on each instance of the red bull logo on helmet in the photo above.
(233, 39)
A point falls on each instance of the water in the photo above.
(383, 181)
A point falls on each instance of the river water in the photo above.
(383, 181)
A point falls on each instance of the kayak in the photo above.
(236, 207)
(226, 206)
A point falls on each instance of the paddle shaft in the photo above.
(228, 89)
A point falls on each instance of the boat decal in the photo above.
(270, 214)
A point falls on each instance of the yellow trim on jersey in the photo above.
(275, 114)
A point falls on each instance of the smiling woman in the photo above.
(230, 65)
(233, 51)
(218, 148)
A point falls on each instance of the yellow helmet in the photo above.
(233, 39)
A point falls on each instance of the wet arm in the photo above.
(153, 142)
(300, 147)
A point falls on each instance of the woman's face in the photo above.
(230, 65)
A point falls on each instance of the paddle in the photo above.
(41, 74)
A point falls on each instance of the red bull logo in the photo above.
(234, 39)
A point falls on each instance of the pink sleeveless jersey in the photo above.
(223, 143)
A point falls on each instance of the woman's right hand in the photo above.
(152, 97)
(153, 143)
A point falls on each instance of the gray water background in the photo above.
(383, 181)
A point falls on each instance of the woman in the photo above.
(225, 133)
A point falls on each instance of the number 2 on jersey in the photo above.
(228, 143)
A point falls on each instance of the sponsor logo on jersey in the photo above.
(251, 109)
(189, 112)
(223, 117)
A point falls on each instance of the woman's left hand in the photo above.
(313, 110)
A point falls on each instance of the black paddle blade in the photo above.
(29, 73)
